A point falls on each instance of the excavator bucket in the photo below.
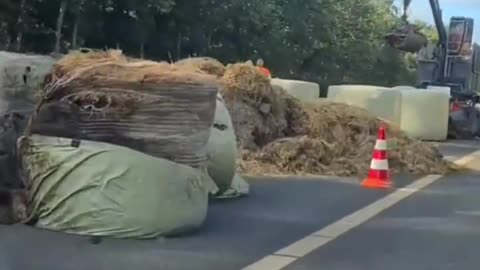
(407, 39)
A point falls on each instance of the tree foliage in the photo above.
(327, 41)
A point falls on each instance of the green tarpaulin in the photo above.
(106, 190)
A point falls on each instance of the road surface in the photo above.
(434, 228)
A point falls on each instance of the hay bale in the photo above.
(155, 108)
(119, 74)
(78, 59)
(206, 64)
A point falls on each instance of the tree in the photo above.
(77, 7)
(428, 30)
(8, 9)
(20, 24)
(58, 30)
(327, 41)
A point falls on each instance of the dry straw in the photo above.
(276, 133)
(320, 138)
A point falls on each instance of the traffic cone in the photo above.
(379, 173)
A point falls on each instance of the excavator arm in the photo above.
(442, 34)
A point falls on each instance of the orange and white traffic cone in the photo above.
(379, 173)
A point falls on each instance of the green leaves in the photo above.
(327, 41)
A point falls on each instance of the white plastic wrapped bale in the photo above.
(404, 87)
(18, 95)
(424, 114)
(380, 101)
(304, 91)
(100, 189)
(444, 89)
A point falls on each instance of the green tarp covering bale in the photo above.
(222, 155)
(101, 189)
(238, 188)
(222, 148)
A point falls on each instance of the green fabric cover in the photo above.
(107, 190)
(239, 188)
(222, 148)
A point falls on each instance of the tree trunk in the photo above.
(142, 50)
(76, 23)
(20, 25)
(58, 32)
(179, 46)
(75, 33)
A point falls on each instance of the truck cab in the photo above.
(461, 69)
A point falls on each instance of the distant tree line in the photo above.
(327, 41)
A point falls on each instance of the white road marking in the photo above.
(272, 262)
(468, 213)
(289, 254)
(303, 247)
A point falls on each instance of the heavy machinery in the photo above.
(453, 62)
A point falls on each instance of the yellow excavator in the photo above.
(453, 62)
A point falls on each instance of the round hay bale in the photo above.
(126, 75)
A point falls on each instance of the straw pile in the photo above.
(206, 64)
(278, 135)
(77, 59)
(259, 113)
(340, 142)
(111, 69)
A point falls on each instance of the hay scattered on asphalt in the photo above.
(340, 142)
(277, 134)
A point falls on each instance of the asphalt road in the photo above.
(435, 229)
(432, 229)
